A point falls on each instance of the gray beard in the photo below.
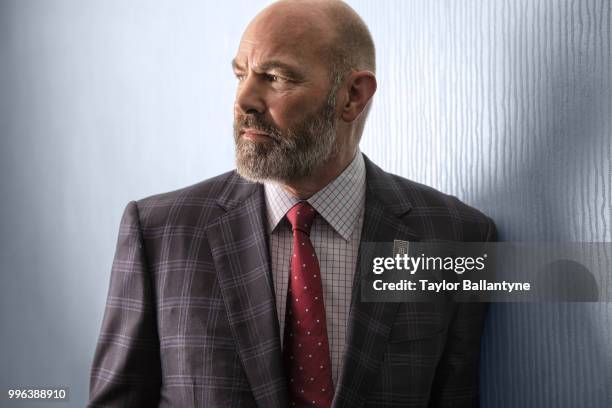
(290, 155)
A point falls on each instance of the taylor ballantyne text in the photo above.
(465, 285)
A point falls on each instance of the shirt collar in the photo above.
(339, 203)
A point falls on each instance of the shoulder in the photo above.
(203, 190)
(432, 213)
(445, 212)
(190, 206)
(426, 199)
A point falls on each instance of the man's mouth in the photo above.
(256, 135)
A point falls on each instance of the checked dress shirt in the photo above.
(335, 235)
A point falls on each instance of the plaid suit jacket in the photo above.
(190, 319)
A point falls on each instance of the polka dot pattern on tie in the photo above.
(306, 345)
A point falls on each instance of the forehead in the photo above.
(286, 36)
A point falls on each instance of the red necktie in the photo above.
(306, 349)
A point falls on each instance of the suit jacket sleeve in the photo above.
(456, 383)
(126, 369)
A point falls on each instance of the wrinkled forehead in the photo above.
(302, 36)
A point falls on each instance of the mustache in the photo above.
(257, 123)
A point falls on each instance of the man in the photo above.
(241, 291)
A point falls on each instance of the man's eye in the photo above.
(273, 78)
(240, 77)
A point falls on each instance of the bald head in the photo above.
(341, 36)
(352, 47)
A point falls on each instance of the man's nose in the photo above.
(249, 98)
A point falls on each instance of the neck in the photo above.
(327, 172)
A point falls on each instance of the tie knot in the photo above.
(300, 216)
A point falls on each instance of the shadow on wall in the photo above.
(555, 354)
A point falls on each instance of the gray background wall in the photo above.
(506, 104)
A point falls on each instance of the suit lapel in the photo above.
(239, 246)
(370, 322)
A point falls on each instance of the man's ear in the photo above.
(361, 86)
